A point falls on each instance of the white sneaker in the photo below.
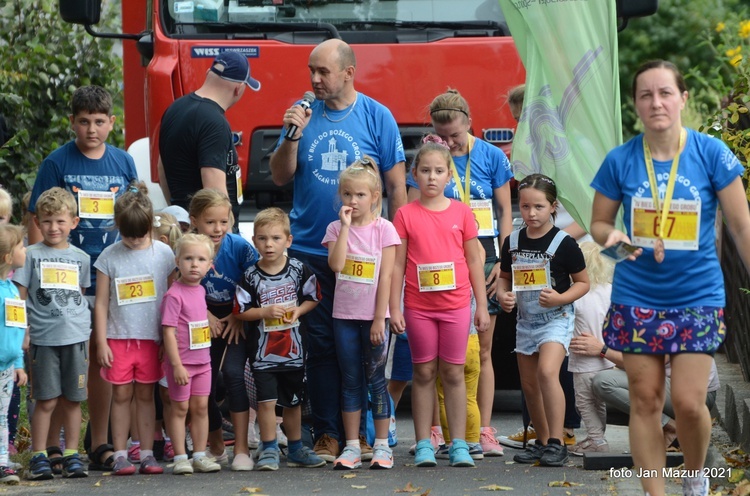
(242, 463)
(182, 467)
(252, 436)
(280, 436)
(205, 465)
(222, 459)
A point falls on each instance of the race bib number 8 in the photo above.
(530, 277)
(136, 289)
(436, 277)
(200, 335)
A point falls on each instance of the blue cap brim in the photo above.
(254, 84)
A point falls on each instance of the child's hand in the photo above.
(233, 328)
(345, 216)
(21, 377)
(377, 332)
(181, 375)
(216, 326)
(291, 315)
(398, 324)
(491, 281)
(549, 298)
(273, 312)
(482, 319)
(104, 355)
(507, 301)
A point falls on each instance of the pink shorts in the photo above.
(199, 383)
(443, 334)
(132, 360)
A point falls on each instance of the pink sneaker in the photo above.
(168, 451)
(436, 437)
(490, 446)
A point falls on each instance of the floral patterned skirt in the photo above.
(662, 332)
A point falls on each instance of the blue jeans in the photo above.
(358, 358)
(321, 363)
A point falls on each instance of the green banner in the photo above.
(571, 109)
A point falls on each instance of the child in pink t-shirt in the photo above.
(361, 249)
(187, 360)
(441, 260)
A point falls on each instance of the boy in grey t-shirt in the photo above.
(52, 282)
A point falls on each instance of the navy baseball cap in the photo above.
(234, 66)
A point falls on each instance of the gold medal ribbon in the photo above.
(465, 195)
(662, 211)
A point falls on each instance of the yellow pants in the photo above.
(471, 376)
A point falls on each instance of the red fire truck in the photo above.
(408, 51)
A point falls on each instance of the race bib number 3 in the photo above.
(359, 268)
(59, 276)
(530, 277)
(200, 335)
(96, 204)
(136, 289)
(436, 277)
(15, 313)
(271, 325)
(681, 232)
(483, 215)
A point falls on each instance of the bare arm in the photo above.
(504, 210)
(283, 162)
(163, 181)
(412, 194)
(734, 207)
(397, 285)
(395, 186)
(337, 249)
(377, 331)
(101, 309)
(475, 262)
(575, 230)
(589, 345)
(213, 178)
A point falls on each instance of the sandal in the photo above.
(95, 459)
(55, 457)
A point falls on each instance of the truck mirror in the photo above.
(636, 8)
(86, 12)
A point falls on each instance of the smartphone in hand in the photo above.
(619, 251)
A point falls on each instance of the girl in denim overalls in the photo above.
(542, 272)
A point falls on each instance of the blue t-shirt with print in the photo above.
(235, 256)
(489, 169)
(325, 149)
(693, 278)
(70, 169)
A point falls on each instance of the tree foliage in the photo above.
(42, 61)
(677, 32)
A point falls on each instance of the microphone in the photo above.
(307, 100)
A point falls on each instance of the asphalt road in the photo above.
(438, 481)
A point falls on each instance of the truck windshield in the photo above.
(272, 18)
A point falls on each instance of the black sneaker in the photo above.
(73, 467)
(531, 454)
(39, 468)
(554, 454)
